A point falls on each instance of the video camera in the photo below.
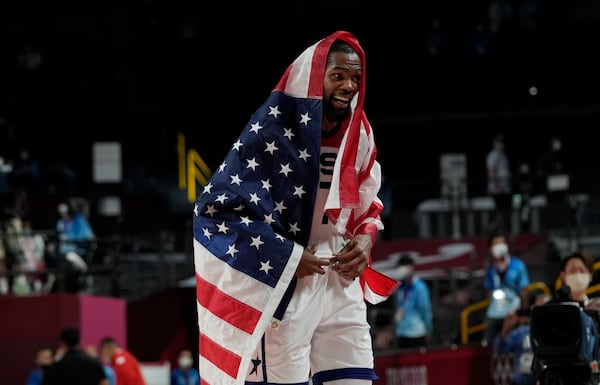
(565, 341)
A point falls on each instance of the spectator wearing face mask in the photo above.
(506, 282)
(576, 272)
(185, 373)
(413, 317)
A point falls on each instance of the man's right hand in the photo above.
(310, 264)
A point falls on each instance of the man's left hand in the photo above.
(352, 260)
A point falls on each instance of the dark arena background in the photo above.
(168, 86)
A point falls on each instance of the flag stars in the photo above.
(279, 207)
(232, 250)
(196, 209)
(254, 127)
(206, 233)
(303, 154)
(285, 169)
(280, 237)
(299, 190)
(256, 242)
(269, 219)
(236, 146)
(288, 133)
(266, 184)
(223, 228)
(207, 188)
(294, 229)
(254, 198)
(265, 266)
(240, 207)
(235, 179)
(222, 166)
(210, 210)
(271, 147)
(252, 164)
(221, 198)
(246, 221)
(274, 111)
(304, 118)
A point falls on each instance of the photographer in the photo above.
(565, 332)
(576, 272)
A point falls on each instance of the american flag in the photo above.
(253, 217)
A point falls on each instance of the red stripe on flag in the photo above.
(223, 359)
(227, 308)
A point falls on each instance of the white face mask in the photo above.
(185, 362)
(578, 281)
(500, 250)
(403, 272)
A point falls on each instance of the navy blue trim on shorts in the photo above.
(285, 300)
(340, 374)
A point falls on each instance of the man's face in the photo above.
(44, 357)
(342, 79)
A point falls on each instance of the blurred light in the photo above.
(533, 90)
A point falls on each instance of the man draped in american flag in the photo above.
(286, 225)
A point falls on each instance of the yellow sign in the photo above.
(191, 168)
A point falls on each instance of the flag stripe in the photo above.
(225, 360)
(225, 307)
(207, 264)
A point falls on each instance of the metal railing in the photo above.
(467, 330)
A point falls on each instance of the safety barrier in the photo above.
(467, 330)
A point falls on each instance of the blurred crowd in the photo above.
(36, 239)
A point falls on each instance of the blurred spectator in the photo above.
(185, 373)
(74, 367)
(43, 359)
(550, 162)
(10, 251)
(76, 241)
(414, 317)
(75, 231)
(126, 366)
(33, 249)
(27, 173)
(92, 350)
(525, 186)
(555, 183)
(506, 284)
(499, 183)
(514, 338)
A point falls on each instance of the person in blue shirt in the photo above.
(506, 282)
(43, 358)
(74, 229)
(185, 373)
(413, 316)
(514, 338)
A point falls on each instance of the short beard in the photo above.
(334, 115)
